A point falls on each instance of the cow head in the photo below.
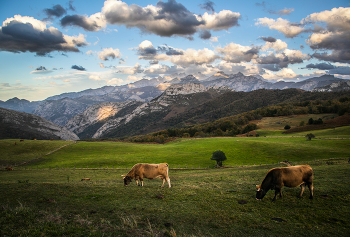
(127, 180)
(260, 193)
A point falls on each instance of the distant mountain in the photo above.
(20, 125)
(175, 100)
(334, 87)
(185, 80)
(62, 110)
(20, 105)
(238, 82)
(87, 123)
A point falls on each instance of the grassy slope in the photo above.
(200, 203)
(193, 152)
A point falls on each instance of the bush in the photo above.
(219, 156)
(287, 127)
(309, 136)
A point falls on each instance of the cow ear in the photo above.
(258, 187)
(123, 176)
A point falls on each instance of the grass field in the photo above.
(44, 195)
(194, 153)
(212, 202)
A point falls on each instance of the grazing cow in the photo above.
(85, 179)
(9, 168)
(21, 140)
(149, 171)
(291, 177)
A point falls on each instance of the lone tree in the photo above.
(309, 136)
(219, 156)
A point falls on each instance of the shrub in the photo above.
(219, 156)
(309, 136)
(287, 127)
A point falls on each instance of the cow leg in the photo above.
(168, 180)
(163, 181)
(141, 182)
(277, 191)
(311, 188)
(302, 189)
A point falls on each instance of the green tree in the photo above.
(219, 157)
(309, 136)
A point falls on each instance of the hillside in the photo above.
(231, 111)
(14, 124)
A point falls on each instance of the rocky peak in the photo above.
(184, 89)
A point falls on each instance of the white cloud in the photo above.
(115, 81)
(109, 53)
(284, 26)
(236, 53)
(278, 45)
(197, 57)
(95, 77)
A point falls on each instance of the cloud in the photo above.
(278, 45)
(334, 56)
(195, 57)
(94, 77)
(341, 70)
(208, 5)
(109, 53)
(236, 53)
(276, 62)
(205, 34)
(287, 28)
(115, 81)
(146, 50)
(132, 70)
(165, 19)
(71, 6)
(335, 37)
(93, 23)
(168, 50)
(22, 34)
(282, 12)
(269, 39)
(55, 11)
(214, 39)
(41, 70)
(223, 20)
(79, 68)
(284, 74)
(155, 70)
(320, 66)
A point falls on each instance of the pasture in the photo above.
(46, 197)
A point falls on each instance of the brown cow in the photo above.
(149, 171)
(85, 179)
(286, 176)
(9, 168)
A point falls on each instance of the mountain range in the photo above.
(148, 105)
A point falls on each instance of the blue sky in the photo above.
(51, 47)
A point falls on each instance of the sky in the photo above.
(52, 47)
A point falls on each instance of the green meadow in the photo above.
(44, 194)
